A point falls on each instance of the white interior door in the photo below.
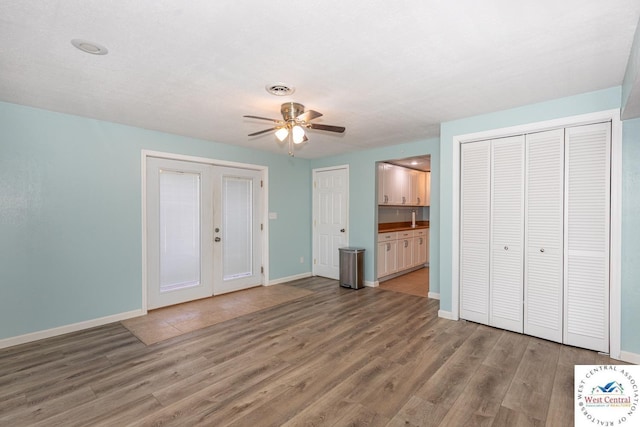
(475, 215)
(179, 228)
(587, 213)
(237, 229)
(330, 217)
(507, 233)
(543, 281)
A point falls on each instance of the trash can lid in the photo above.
(351, 249)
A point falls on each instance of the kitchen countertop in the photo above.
(401, 226)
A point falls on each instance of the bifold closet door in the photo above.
(475, 200)
(507, 233)
(587, 215)
(543, 269)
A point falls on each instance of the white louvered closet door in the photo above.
(507, 233)
(474, 231)
(543, 271)
(587, 213)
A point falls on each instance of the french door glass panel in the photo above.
(180, 229)
(238, 237)
(237, 194)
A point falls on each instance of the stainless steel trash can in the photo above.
(352, 267)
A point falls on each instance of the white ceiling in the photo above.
(390, 71)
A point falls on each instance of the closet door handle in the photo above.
(541, 249)
(506, 248)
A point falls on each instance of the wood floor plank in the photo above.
(531, 389)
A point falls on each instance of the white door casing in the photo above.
(458, 141)
(567, 218)
(330, 219)
(149, 247)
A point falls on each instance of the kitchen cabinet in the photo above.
(402, 250)
(405, 250)
(387, 254)
(420, 247)
(400, 186)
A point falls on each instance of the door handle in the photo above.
(217, 239)
(342, 230)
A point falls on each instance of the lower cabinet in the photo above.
(402, 250)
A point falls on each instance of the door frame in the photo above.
(314, 211)
(615, 242)
(263, 210)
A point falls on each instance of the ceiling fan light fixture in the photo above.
(282, 133)
(298, 134)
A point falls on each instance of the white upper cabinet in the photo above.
(399, 186)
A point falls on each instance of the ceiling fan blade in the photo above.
(263, 118)
(262, 131)
(330, 128)
(308, 116)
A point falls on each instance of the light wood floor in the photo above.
(414, 283)
(335, 357)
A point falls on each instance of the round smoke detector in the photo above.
(279, 89)
(89, 47)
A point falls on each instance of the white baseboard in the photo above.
(288, 279)
(627, 356)
(74, 327)
(433, 295)
(446, 315)
(372, 284)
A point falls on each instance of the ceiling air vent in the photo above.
(280, 89)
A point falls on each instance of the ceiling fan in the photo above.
(294, 120)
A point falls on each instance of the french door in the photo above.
(203, 230)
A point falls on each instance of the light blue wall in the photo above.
(70, 215)
(630, 235)
(564, 107)
(363, 198)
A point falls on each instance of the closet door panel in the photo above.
(543, 269)
(507, 233)
(587, 214)
(474, 231)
